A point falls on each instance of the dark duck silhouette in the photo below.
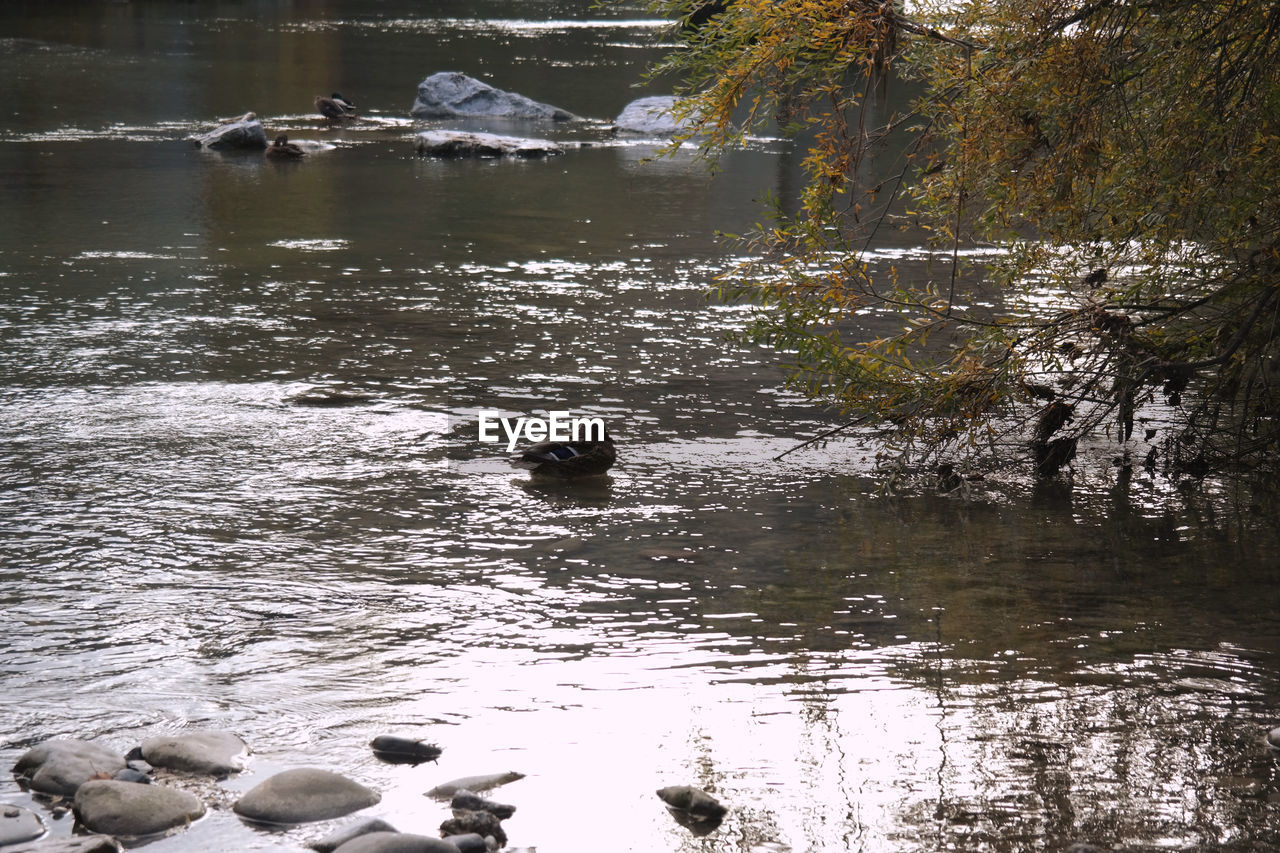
(284, 149)
(567, 459)
(335, 107)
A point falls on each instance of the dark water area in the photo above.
(241, 486)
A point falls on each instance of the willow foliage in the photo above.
(1092, 184)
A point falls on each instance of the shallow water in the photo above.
(189, 536)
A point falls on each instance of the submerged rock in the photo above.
(304, 795)
(342, 835)
(473, 783)
(694, 801)
(457, 144)
(62, 765)
(451, 94)
(470, 801)
(403, 750)
(396, 842)
(81, 844)
(652, 115)
(126, 808)
(208, 751)
(18, 824)
(245, 133)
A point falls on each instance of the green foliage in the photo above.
(1093, 187)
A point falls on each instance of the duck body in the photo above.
(335, 107)
(284, 149)
(567, 459)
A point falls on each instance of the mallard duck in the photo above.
(335, 107)
(284, 149)
(567, 459)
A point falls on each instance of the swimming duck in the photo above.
(284, 149)
(335, 107)
(567, 459)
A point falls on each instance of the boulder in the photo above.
(303, 795)
(207, 751)
(18, 825)
(651, 115)
(81, 844)
(457, 143)
(483, 782)
(343, 834)
(245, 133)
(692, 800)
(465, 822)
(62, 765)
(396, 842)
(451, 94)
(125, 808)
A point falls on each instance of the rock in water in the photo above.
(304, 795)
(126, 808)
(652, 115)
(208, 751)
(451, 94)
(468, 843)
(396, 842)
(342, 835)
(470, 801)
(62, 765)
(473, 783)
(457, 143)
(18, 824)
(695, 801)
(1273, 738)
(483, 824)
(245, 133)
(403, 750)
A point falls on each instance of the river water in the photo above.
(241, 486)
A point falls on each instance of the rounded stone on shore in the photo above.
(396, 842)
(303, 795)
(209, 751)
(18, 824)
(126, 808)
(62, 765)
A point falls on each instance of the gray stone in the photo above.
(342, 835)
(208, 751)
(303, 795)
(245, 133)
(693, 800)
(457, 143)
(450, 94)
(62, 765)
(1273, 738)
(473, 783)
(81, 844)
(18, 824)
(651, 115)
(396, 842)
(470, 842)
(126, 808)
(470, 801)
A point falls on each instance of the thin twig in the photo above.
(822, 436)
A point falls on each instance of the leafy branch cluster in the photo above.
(1116, 159)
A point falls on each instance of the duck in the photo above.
(567, 459)
(284, 149)
(335, 107)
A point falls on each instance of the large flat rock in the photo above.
(303, 795)
(62, 765)
(127, 808)
(208, 751)
(457, 143)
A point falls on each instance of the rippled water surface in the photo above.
(241, 487)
